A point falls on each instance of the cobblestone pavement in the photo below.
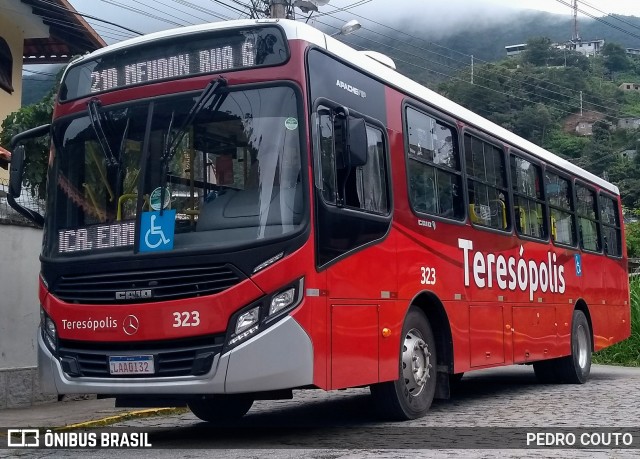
(503, 397)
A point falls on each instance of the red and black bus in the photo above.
(239, 209)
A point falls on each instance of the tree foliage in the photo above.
(615, 57)
(537, 96)
(633, 239)
(36, 159)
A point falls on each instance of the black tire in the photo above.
(220, 408)
(574, 368)
(455, 382)
(455, 378)
(410, 396)
(545, 371)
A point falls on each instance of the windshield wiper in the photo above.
(96, 124)
(209, 95)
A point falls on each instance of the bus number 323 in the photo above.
(428, 275)
(186, 319)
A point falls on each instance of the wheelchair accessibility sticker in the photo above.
(157, 231)
(578, 261)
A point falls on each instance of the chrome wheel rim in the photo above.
(583, 348)
(416, 362)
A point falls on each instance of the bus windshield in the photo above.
(231, 171)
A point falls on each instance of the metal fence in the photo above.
(8, 215)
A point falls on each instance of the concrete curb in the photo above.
(109, 420)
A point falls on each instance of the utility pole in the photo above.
(472, 69)
(278, 9)
(581, 104)
(576, 33)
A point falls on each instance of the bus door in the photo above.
(353, 218)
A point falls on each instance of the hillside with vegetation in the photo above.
(541, 94)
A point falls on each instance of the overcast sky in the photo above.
(173, 13)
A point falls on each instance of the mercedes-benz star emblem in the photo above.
(131, 325)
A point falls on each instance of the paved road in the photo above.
(503, 397)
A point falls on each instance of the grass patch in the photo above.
(627, 352)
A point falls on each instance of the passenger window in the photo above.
(528, 203)
(365, 187)
(487, 183)
(611, 233)
(563, 226)
(435, 179)
(588, 226)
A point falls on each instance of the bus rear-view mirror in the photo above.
(16, 171)
(357, 142)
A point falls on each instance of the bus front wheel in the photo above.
(220, 408)
(411, 395)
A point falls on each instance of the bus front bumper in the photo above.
(281, 357)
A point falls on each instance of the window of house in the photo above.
(435, 178)
(487, 183)
(563, 222)
(610, 219)
(588, 225)
(528, 200)
(6, 67)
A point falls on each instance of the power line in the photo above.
(201, 9)
(512, 78)
(90, 17)
(233, 8)
(477, 76)
(459, 79)
(112, 29)
(181, 11)
(468, 56)
(614, 16)
(143, 13)
(346, 8)
(602, 20)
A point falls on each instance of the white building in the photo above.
(587, 47)
(514, 50)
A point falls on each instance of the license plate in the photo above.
(131, 365)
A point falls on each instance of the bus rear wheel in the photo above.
(411, 395)
(574, 368)
(220, 408)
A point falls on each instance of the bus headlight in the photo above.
(282, 300)
(49, 331)
(263, 313)
(247, 320)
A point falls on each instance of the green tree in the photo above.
(538, 51)
(615, 57)
(566, 145)
(632, 231)
(36, 160)
(534, 122)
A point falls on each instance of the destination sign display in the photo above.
(97, 237)
(176, 57)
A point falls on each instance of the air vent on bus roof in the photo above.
(379, 57)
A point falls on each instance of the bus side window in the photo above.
(433, 166)
(588, 225)
(487, 183)
(529, 205)
(561, 209)
(611, 231)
